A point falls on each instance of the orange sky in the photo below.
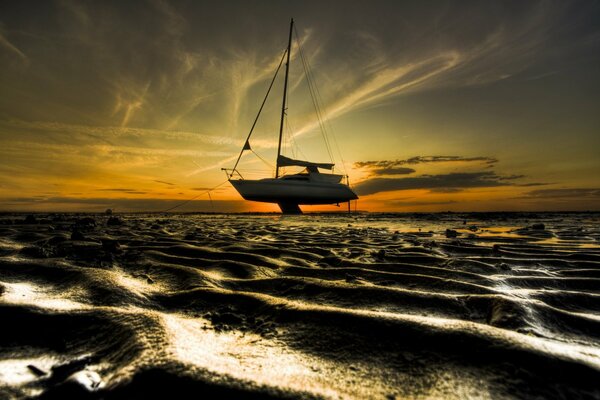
(137, 106)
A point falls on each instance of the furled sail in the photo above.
(284, 161)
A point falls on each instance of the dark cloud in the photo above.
(423, 160)
(446, 190)
(575, 193)
(451, 181)
(512, 177)
(393, 171)
(121, 190)
(166, 183)
(533, 184)
(401, 203)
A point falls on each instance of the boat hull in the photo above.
(293, 192)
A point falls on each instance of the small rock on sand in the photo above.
(35, 370)
(110, 245)
(114, 221)
(77, 235)
(87, 222)
(505, 313)
(331, 260)
(451, 233)
(504, 267)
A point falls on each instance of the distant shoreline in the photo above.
(512, 213)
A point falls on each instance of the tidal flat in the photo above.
(357, 306)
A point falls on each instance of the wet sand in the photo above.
(314, 306)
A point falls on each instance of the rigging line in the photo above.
(332, 131)
(212, 206)
(293, 141)
(313, 92)
(289, 143)
(325, 125)
(288, 137)
(195, 197)
(259, 111)
(262, 159)
(326, 122)
(313, 88)
(335, 142)
(337, 146)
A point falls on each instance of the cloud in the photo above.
(462, 180)
(566, 193)
(497, 44)
(395, 167)
(4, 43)
(121, 190)
(165, 183)
(393, 171)
(533, 184)
(402, 203)
(446, 190)
(424, 160)
(69, 132)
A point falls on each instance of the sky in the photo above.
(429, 105)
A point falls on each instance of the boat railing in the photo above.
(230, 172)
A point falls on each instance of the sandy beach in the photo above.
(317, 306)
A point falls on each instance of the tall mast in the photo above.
(285, 84)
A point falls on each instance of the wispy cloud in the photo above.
(11, 48)
(564, 193)
(416, 203)
(502, 49)
(165, 183)
(122, 190)
(99, 132)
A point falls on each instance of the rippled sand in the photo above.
(315, 306)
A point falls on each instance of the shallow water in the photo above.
(314, 306)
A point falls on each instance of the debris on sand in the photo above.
(451, 233)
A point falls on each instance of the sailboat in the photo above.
(309, 187)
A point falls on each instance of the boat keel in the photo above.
(290, 208)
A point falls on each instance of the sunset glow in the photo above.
(136, 106)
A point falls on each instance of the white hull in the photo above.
(285, 190)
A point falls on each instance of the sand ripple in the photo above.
(314, 306)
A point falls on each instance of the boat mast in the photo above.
(285, 84)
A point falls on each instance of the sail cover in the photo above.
(284, 161)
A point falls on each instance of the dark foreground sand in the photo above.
(334, 306)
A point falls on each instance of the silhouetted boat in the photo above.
(289, 191)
